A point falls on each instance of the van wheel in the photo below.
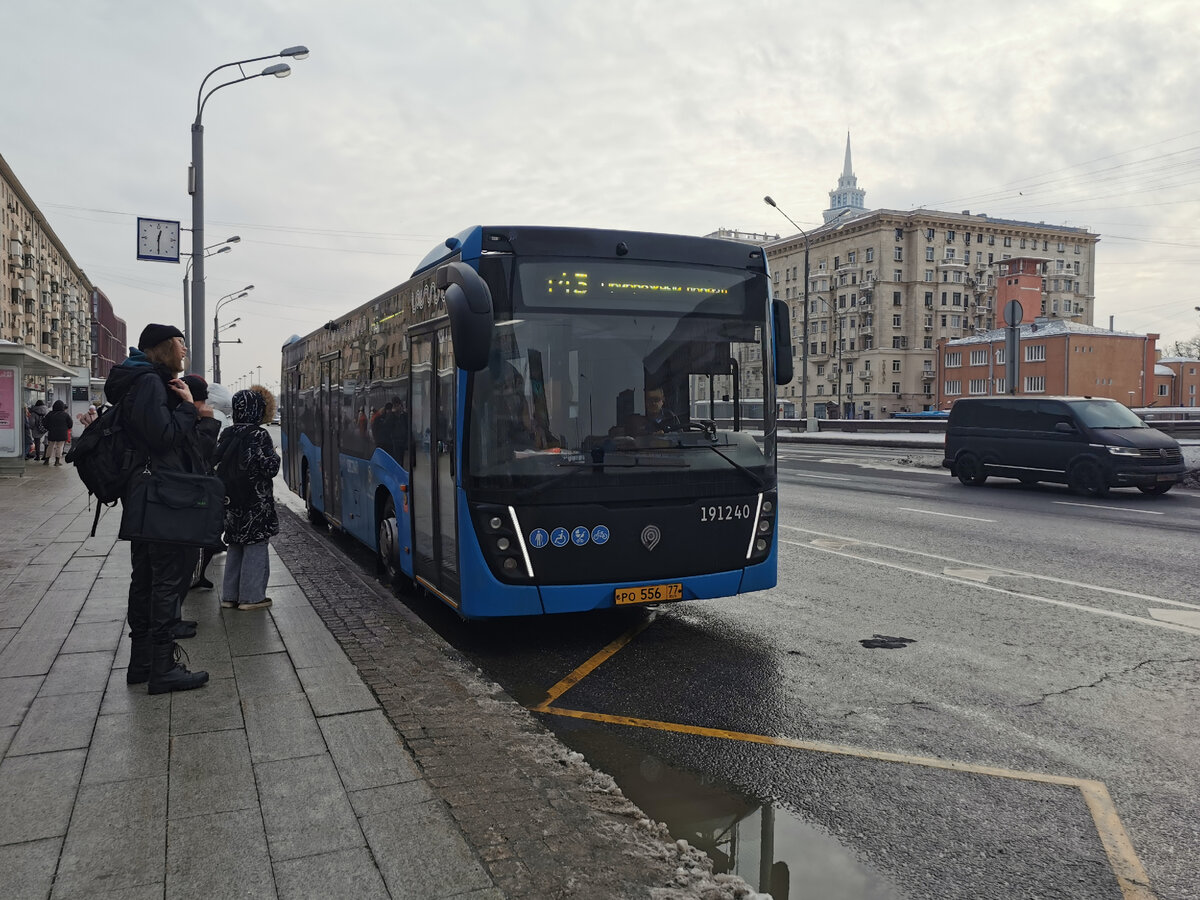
(969, 469)
(1155, 488)
(1086, 478)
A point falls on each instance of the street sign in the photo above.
(1013, 312)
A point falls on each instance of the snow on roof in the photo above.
(1051, 328)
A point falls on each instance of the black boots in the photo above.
(140, 653)
(168, 674)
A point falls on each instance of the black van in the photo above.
(1089, 443)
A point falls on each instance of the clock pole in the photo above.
(195, 329)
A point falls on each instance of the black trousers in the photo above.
(161, 573)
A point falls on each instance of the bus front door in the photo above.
(432, 474)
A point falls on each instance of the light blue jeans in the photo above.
(247, 569)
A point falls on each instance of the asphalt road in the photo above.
(953, 693)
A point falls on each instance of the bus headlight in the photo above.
(502, 542)
(764, 525)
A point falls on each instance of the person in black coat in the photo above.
(58, 429)
(161, 421)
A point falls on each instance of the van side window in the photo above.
(1052, 413)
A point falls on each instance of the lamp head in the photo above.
(297, 52)
(767, 200)
(233, 240)
(224, 249)
(279, 70)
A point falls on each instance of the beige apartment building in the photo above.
(45, 299)
(884, 286)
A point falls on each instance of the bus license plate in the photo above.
(650, 593)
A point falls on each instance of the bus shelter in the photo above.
(17, 362)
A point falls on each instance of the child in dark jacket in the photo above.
(246, 459)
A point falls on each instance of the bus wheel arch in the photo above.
(314, 515)
(387, 540)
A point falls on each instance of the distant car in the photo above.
(276, 420)
(1090, 444)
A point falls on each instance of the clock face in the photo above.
(158, 239)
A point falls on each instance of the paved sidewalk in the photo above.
(286, 775)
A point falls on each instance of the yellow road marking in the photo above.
(588, 667)
(1122, 858)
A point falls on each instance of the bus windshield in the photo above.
(597, 366)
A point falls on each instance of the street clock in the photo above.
(158, 240)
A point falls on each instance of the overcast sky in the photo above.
(412, 120)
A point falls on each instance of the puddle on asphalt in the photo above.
(773, 850)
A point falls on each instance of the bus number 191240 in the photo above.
(724, 513)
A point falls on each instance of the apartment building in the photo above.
(45, 299)
(885, 286)
(1056, 357)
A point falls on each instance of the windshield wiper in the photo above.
(758, 482)
(613, 459)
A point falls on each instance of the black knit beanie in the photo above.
(153, 335)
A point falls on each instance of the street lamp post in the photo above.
(804, 346)
(216, 341)
(196, 186)
(208, 251)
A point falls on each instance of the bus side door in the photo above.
(432, 473)
(331, 433)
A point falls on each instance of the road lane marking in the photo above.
(1178, 616)
(1139, 620)
(1146, 512)
(822, 477)
(929, 512)
(980, 575)
(1122, 858)
(950, 559)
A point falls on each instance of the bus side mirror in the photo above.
(469, 305)
(783, 342)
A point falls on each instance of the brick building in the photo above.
(108, 336)
(1177, 381)
(1057, 357)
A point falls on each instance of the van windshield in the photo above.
(1106, 414)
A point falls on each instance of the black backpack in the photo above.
(227, 463)
(105, 457)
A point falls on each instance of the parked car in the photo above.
(1091, 444)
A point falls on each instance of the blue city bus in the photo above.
(501, 428)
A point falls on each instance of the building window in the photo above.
(1000, 357)
(979, 357)
(950, 237)
(897, 274)
(953, 360)
(929, 274)
(1008, 242)
(929, 234)
(953, 388)
(1001, 385)
(1035, 353)
(895, 298)
(899, 234)
(870, 254)
(949, 253)
(1035, 384)
(978, 386)
(929, 299)
(943, 298)
(957, 298)
(820, 370)
(820, 389)
(929, 253)
(897, 253)
(927, 343)
(897, 343)
(895, 365)
(852, 257)
(1162, 390)
(895, 321)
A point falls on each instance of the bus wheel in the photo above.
(387, 535)
(1086, 478)
(969, 469)
(314, 515)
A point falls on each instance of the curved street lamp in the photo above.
(216, 341)
(196, 184)
(208, 251)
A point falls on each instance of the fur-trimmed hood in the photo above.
(253, 406)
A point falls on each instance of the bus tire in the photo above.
(387, 542)
(315, 516)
